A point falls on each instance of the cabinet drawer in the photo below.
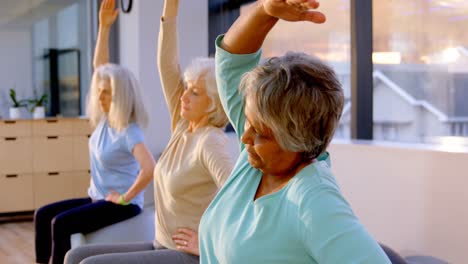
(52, 187)
(16, 193)
(80, 153)
(52, 153)
(15, 128)
(52, 127)
(82, 127)
(81, 184)
(16, 155)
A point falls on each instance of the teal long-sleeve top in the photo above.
(307, 221)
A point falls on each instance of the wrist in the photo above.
(104, 28)
(263, 21)
(261, 12)
(122, 200)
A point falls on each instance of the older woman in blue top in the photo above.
(121, 164)
(281, 203)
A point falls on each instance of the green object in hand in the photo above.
(122, 201)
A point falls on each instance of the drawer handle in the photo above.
(53, 173)
(10, 138)
(11, 175)
(52, 137)
(10, 122)
(51, 120)
(89, 171)
(89, 136)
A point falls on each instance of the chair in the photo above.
(139, 228)
(394, 257)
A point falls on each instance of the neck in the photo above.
(271, 183)
(194, 125)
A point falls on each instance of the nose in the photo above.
(184, 97)
(246, 137)
(100, 95)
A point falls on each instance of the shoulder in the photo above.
(181, 126)
(133, 134)
(133, 128)
(315, 186)
(213, 135)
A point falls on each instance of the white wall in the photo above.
(414, 200)
(138, 44)
(15, 67)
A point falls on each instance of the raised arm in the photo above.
(107, 16)
(168, 60)
(239, 50)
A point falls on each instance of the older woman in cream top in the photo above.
(192, 168)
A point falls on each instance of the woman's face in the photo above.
(195, 101)
(264, 151)
(104, 95)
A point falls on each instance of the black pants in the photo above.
(56, 222)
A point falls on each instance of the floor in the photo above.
(17, 242)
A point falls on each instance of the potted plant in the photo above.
(38, 106)
(16, 106)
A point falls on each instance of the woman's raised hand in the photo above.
(294, 10)
(108, 13)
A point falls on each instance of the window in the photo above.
(330, 42)
(61, 57)
(420, 70)
(420, 60)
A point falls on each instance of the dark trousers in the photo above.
(56, 222)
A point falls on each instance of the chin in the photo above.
(254, 163)
(184, 116)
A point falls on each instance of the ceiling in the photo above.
(18, 14)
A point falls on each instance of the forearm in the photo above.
(249, 31)
(101, 52)
(143, 179)
(171, 8)
(168, 64)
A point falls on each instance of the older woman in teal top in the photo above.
(281, 203)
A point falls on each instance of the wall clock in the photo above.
(126, 5)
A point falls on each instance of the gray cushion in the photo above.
(424, 260)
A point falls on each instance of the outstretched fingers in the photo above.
(313, 16)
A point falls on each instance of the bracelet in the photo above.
(122, 201)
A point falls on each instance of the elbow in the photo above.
(95, 65)
(147, 172)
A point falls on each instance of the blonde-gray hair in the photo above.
(299, 98)
(204, 68)
(126, 105)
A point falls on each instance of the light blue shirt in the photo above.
(113, 166)
(307, 221)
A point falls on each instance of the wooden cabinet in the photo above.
(16, 192)
(16, 155)
(80, 182)
(42, 161)
(53, 153)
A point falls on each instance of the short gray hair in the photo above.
(126, 105)
(205, 68)
(299, 98)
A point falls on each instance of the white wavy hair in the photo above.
(205, 68)
(126, 105)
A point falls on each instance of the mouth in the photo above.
(251, 153)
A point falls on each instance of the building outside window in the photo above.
(421, 70)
